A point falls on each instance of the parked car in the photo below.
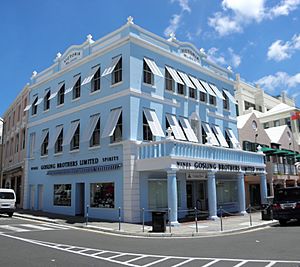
(7, 201)
(286, 205)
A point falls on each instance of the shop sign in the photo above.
(189, 54)
(75, 163)
(71, 57)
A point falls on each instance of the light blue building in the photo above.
(135, 121)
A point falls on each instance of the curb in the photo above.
(148, 234)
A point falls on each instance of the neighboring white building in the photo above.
(271, 111)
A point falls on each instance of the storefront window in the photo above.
(158, 194)
(227, 192)
(62, 195)
(102, 195)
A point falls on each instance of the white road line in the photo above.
(63, 227)
(240, 264)
(13, 228)
(36, 227)
(157, 261)
(135, 259)
(99, 253)
(271, 264)
(83, 250)
(182, 263)
(210, 263)
(71, 247)
(116, 256)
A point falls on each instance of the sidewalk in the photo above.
(230, 224)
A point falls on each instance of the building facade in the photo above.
(135, 121)
(281, 153)
(14, 146)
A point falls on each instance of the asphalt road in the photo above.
(33, 243)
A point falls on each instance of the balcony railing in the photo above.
(284, 169)
(175, 148)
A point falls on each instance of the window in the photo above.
(32, 144)
(117, 72)
(147, 73)
(96, 80)
(228, 140)
(266, 125)
(147, 133)
(102, 195)
(203, 97)
(192, 93)
(227, 192)
(34, 106)
(61, 95)
(59, 142)
(117, 135)
(212, 100)
(62, 195)
(168, 81)
(249, 105)
(11, 149)
(158, 196)
(75, 139)
(45, 138)
(23, 138)
(17, 143)
(288, 122)
(77, 88)
(95, 138)
(276, 123)
(47, 100)
(225, 101)
(153, 122)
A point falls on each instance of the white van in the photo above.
(7, 201)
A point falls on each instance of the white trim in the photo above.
(198, 84)
(53, 95)
(233, 139)
(72, 129)
(40, 100)
(207, 88)
(153, 67)
(177, 131)
(186, 79)
(211, 138)
(53, 140)
(174, 75)
(220, 136)
(217, 91)
(154, 123)
(189, 132)
(89, 78)
(111, 122)
(112, 66)
(27, 107)
(230, 96)
(93, 122)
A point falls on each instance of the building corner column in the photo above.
(172, 197)
(263, 188)
(212, 195)
(241, 193)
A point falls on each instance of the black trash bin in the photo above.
(266, 212)
(159, 221)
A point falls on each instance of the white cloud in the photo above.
(224, 25)
(231, 58)
(279, 50)
(238, 14)
(281, 80)
(174, 24)
(283, 8)
(176, 18)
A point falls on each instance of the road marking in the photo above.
(35, 226)
(240, 264)
(271, 264)
(182, 263)
(157, 258)
(210, 263)
(13, 228)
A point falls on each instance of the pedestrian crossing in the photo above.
(28, 227)
(147, 260)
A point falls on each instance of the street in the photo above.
(34, 243)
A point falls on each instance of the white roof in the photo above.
(241, 120)
(282, 107)
(275, 133)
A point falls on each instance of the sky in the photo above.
(259, 39)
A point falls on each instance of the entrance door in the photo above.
(196, 194)
(40, 196)
(254, 190)
(79, 200)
